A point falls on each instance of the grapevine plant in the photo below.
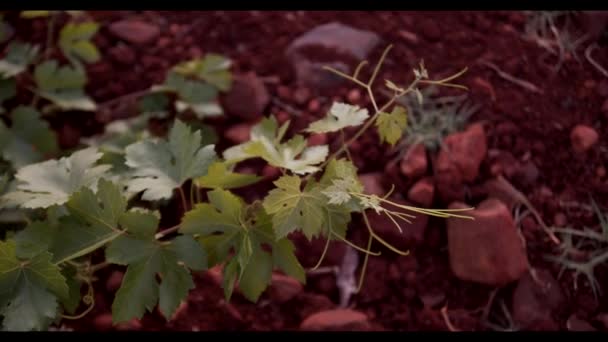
(67, 216)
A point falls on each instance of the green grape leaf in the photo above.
(266, 143)
(159, 167)
(64, 86)
(44, 184)
(340, 116)
(155, 103)
(212, 68)
(29, 140)
(146, 258)
(75, 41)
(219, 176)
(8, 89)
(35, 14)
(293, 208)
(391, 125)
(71, 302)
(225, 224)
(193, 95)
(28, 290)
(94, 220)
(18, 57)
(339, 181)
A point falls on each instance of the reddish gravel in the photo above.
(551, 147)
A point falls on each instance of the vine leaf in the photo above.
(339, 180)
(51, 182)
(266, 143)
(75, 41)
(18, 57)
(293, 208)
(219, 176)
(89, 221)
(391, 125)
(28, 290)
(213, 69)
(340, 116)
(8, 89)
(226, 223)
(29, 140)
(64, 86)
(146, 258)
(159, 167)
(192, 94)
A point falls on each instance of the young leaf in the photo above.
(292, 209)
(44, 184)
(17, 59)
(64, 86)
(28, 290)
(219, 176)
(226, 223)
(160, 166)
(391, 126)
(340, 116)
(8, 89)
(29, 140)
(146, 258)
(339, 180)
(75, 41)
(266, 143)
(213, 69)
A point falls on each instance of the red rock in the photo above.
(535, 302)
(488, 249)
(317, 139)
(600, 172)
(215, 274)
(459, 162)
(122, 54)
(103, 322)
(132, 325)
(134, 31)
(415, 164)
(314, 106)
(429, 28)
(372, 183)
(284, 92)
(301, 95)
(342, 46)
(284, 288)
(247, 98)
(466, 150)
(336, 320)
(560, 219)
(114, 281)
(605, 107)
(270, 172)
(238, 133)
(409, 37)
(583, 138)
(575, 323)
(354, 96)
(422, 192)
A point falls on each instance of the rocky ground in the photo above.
(529, 158)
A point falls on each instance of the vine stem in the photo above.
(166, 232)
